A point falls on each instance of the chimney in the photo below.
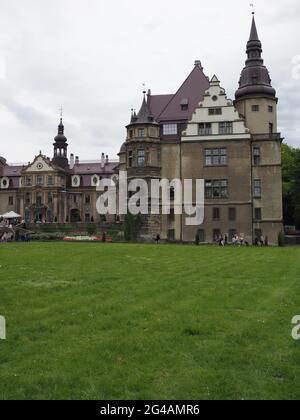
(72, 161)
(198, 64)
(107, 159)
(102, 160)
(77, 160)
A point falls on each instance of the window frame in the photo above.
(257, 189)
(170, 129)
(141, 158)
(206, 130)
(226, 127)
(215, 156)
(217, 189)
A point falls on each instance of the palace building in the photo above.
(196, 133)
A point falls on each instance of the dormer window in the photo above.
(184, 105)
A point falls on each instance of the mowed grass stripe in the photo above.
(92, 321)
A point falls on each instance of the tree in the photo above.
(132, 227)
(291, 185)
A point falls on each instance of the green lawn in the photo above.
(101, 321)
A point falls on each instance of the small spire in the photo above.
(253, 33)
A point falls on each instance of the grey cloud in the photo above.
(92, 58)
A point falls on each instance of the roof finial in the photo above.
(253, 8)
(144, 91)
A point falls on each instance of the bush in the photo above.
(47, 237)
(91, 229)
(132, 227)
(281, 239)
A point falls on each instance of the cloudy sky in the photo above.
(93, 56)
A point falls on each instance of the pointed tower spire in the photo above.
(253, 33)
(255, 78)
(144, 116)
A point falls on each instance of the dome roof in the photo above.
(61, 138)
(123, 148)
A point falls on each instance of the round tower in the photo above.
(140, 154)
(140, 157)
(255, 98)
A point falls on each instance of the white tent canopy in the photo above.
(11, 215)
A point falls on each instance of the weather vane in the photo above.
(253, 8)
(61, 111)
(144, 85)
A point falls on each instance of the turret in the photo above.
(255, 98)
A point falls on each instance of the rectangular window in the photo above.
(170, 129)
(257, 214)
(50, 198)
(255, 108)
(232, 214)
(226, 128)
(27, 198)
(130, 159)
(141, 158)
(87, 199)
(27, 181)
(205, 129)
(271, 128)
(270, 109)
(215, 157)
(10, 201)
(257, 188)
(216, 214)
(74, 199)
(87, 218)
(201, 234)
(40, 180)
(50, 180)
(171, 235)
(216, 189)
(141, 132)
(256, 155)
(215, 111)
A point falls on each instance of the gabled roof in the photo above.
(191, 91)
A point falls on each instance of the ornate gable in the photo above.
(40, 164)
